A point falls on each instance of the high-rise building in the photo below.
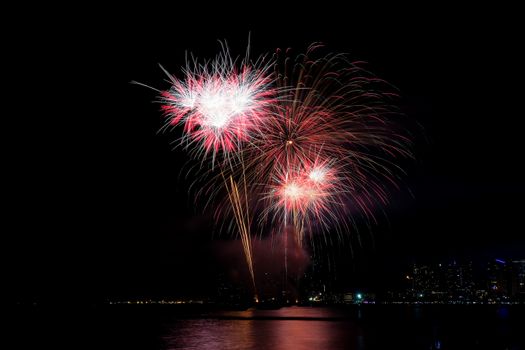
(518, 280)
(499, 279)
(423, 279)
(459, 280)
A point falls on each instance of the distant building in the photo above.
(459, 280)
(518, 279)
(499, 280)
(425, 281)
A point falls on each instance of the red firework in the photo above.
(307, 194)
(327, 149)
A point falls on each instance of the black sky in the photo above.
(95, 206)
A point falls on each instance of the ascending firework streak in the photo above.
(241, 214)
(305, 144)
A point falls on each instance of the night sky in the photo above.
(96, 206)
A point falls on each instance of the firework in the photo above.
(299, 141)
(219, 103)
(328, 147)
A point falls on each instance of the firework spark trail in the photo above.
(241, 216)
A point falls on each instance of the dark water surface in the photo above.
(296, 328)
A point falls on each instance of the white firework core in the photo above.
(292, 191)
(219, 105)
(317, 175)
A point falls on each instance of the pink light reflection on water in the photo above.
(294, 328)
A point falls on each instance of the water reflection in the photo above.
(263, 334)
(284, 329)
(356, 328)
(212, 334)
